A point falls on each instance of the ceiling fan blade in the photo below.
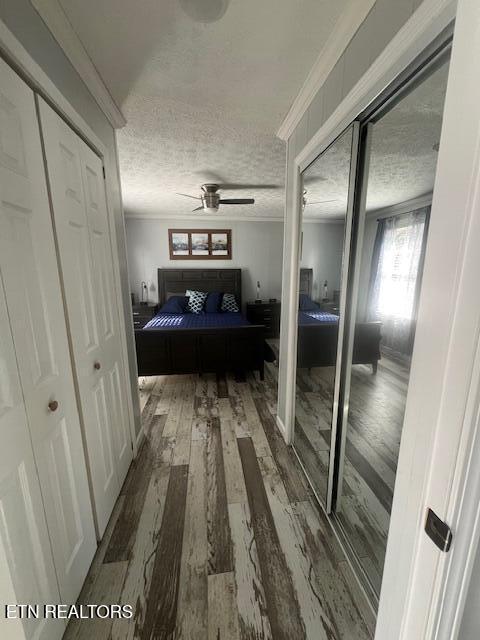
(321, 201)
(198, 209)
(237, 201)
(210, 176)
(186, 195)
(232, 186)
(313, 179)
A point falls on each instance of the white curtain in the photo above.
(396, 263)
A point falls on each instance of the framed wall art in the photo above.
(200, 244)
(179, 244)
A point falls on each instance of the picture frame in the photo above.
(219, 243)
(200, 244)
(179, 244)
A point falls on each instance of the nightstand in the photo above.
(267, 313)
(143, 313)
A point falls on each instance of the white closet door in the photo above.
(27, 573)
(108, 322)
(78, 198)
(33, 294)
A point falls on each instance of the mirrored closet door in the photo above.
(392, 230)
(364, 238)
(326, 231)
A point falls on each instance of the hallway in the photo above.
(215, 534)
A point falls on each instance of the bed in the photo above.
(318, 333)
(199, 343)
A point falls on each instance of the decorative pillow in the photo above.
(175, 304)
(305, 303)
(196, 300)
(229, 303)
(213, 301)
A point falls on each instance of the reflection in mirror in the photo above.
(391, 247)
(325, 196)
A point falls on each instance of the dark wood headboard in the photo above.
(177, 281)
(306, 281)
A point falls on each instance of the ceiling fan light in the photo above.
(204, 10)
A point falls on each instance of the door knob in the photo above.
(53, 405)
(97, 366)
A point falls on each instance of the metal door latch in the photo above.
(438, 531)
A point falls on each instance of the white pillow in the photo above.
(229, 304)
(196, 300)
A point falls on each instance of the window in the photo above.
(395, 269)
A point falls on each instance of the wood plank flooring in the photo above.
(376, 409)
(216, 534)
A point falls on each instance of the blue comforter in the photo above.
(196, 320)
(316, 317)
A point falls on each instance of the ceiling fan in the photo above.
(204, 10)
(211, 199)
(305, 203)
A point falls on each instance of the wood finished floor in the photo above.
(216, 534)
(377, 405)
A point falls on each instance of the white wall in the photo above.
(256, 249)
(322, 251)
(26, 25)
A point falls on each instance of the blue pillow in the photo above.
(229, 304)
(305, 303)
(212, 303)
(175, 304)
(196, 300)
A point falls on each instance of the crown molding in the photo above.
(57, 22)
(336, 44)
(232, 218)
(201, 218)
(402, 207)
(429, 20)
(324, 220)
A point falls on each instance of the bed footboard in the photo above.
(317, 344)
(220, 349)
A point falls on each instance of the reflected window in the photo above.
(395, 272)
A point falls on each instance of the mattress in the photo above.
(196, 321)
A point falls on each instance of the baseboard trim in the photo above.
(282, 428)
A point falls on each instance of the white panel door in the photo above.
(107, 310)
(27, 574)
(78, 198)
(33, 294)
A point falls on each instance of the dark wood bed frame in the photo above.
(317, 343)
(207, 350)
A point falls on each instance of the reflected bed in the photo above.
(318, 335)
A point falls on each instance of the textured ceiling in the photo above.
(202, 97)
(403, 155)
(326, 180)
